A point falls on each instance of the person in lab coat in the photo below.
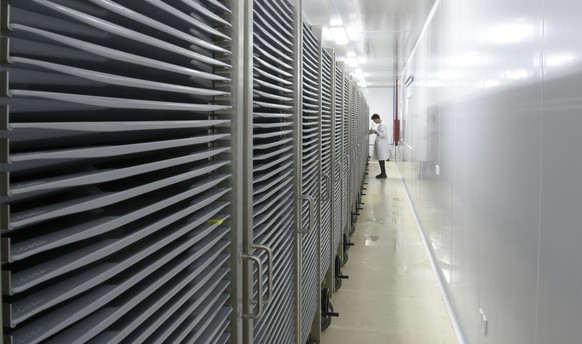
(381, 152)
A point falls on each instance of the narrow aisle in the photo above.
(392, 295)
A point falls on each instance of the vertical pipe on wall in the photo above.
(396, 125)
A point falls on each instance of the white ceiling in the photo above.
(382, 32)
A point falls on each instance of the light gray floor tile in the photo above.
(392, 295)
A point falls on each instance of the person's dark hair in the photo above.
(374, 116)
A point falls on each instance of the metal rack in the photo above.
(326, 163)
(310, 162)
(338, 154)
(363, 154)
(172, 170)
(115, 171)
(269, 170)
(346, 158)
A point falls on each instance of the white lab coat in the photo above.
(381, 151)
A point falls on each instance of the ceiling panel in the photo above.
(382, 32)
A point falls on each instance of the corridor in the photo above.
(392, 295)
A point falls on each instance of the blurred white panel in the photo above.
(560, 289)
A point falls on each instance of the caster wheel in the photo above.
(326, 321)
(338, 284)
(339, 276)
(347, 243)
(345, 258)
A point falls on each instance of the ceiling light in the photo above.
(336, 22)
(339, 35)
(354, 34)
(352, 61)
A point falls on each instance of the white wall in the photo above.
(496, 105)
(381, 101)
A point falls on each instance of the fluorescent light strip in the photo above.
(339, 35)
(352, 61)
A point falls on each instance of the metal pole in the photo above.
(330, 276)
(246, 7)
(298, 105)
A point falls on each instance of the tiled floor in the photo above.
(392, 295)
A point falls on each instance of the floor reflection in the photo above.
(392, 294)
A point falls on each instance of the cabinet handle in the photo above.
(260, 301)
(349, 159)
(328, 187)
(310, 201)
(270, 267)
